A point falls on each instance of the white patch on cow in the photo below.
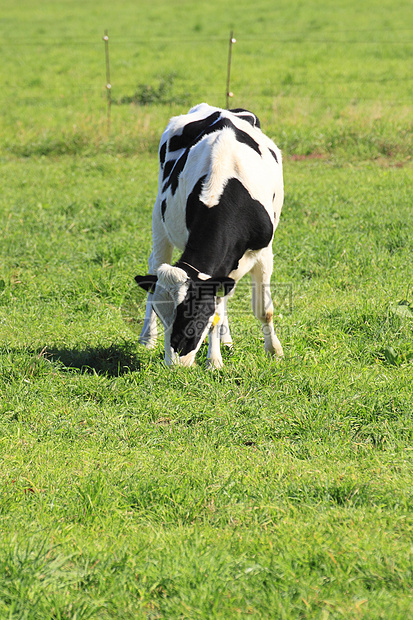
(202, 108)
(228, 158)
(222, 167)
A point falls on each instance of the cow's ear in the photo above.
(219, 286)
(147, 282)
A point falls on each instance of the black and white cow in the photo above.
(219, 202)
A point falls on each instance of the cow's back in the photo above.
(202, 151)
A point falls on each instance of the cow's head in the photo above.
(186, 308)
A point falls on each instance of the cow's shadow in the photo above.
(114, 360)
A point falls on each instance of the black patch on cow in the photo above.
(273, 154)
(168, 168)
(162, 154)
(191, 132)
(193, 203)
(163, 209)
(219, 236)
(196, 130)
(173, 178)
(242, 136)
(248, 116)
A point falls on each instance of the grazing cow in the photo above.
(219, 202)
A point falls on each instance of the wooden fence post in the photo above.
(229, 93)
(108, 84)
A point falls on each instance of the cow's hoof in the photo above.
(148, 343)
(277, 353)
(214, 364)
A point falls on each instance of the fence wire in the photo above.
(37, 94)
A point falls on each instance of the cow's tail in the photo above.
(223, 165)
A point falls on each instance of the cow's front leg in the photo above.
(262, 302)
(225, 334)
(214, 357)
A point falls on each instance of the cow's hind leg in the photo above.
(161, 253)
(149, 333)
(262, 301)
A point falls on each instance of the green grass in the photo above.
(323, 80)
(265, 490)
(270, 489)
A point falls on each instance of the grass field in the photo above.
(265, 490)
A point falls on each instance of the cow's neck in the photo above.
(203, 258)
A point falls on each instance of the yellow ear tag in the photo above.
(215, 320)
